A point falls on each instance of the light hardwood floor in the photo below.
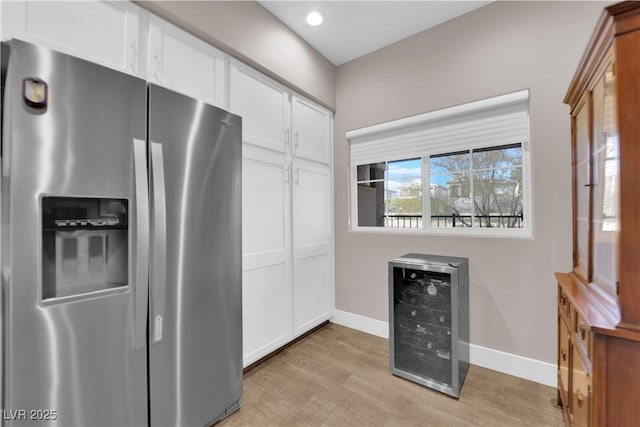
(338, 376)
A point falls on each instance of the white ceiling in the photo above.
(355, 28)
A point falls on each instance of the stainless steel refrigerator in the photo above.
(121, 248)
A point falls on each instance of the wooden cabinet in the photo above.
(107, 33)
(564, 347)
(183, 63)
(599, 300)
(287, 212)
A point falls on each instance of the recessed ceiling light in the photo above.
(314, 19)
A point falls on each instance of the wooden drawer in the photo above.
(583, 333)
(563, 359)
(564, 304)
(580, 389)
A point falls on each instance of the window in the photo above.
(477, 188)
(390, 194)
(474, 158)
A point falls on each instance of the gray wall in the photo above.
(504, 47)
(250, 33)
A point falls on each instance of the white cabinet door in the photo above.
(263, 105)
(311, 126)
(265, 202)
(312, 291)
(186, 64)
(266, 310)
(266, 262)
(311, 206)
(312, 243)
(106, 33)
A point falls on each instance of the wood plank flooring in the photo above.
(338, 376)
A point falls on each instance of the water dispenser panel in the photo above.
(84, 245)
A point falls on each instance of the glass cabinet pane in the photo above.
(582, 193)
(605, 221)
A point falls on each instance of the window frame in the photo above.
(397, 126)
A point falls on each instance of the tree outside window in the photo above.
(477, 188)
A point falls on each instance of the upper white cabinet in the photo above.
(311, 126)
(107, 33)
(181, 62)
(122, 36)
(264, 106)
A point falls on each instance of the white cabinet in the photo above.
(311, 206)
(286, 214)
(107, 33)
(312, 294)
(264, 107)
(266, 262)
(181, 62)
(311, 126)
(120, 35)
(312, 243)
(265, 203)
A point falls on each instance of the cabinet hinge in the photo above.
(617, 288)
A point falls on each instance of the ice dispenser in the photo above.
(84, 245)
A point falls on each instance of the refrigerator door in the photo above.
(195, 350)
(73, 353)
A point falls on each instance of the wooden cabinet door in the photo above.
(605, 224)
(266, 261)
(263, 105)
(311, 126)
(582, 182)
(312, 243)
(580, 390)
(106, 33)
(183, 63)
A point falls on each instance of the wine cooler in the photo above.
(429, 320)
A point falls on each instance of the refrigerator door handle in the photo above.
(159, 255)
(142, 243)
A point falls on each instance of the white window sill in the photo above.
(500, 233)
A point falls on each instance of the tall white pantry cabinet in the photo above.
(287, 216)
(287, 209)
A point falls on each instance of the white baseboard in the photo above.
(512, 364)
(361, 323)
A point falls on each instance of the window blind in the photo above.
(491, 122)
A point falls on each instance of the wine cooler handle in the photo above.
(142, 243)
(159, 243)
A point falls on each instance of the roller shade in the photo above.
(491, 122)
